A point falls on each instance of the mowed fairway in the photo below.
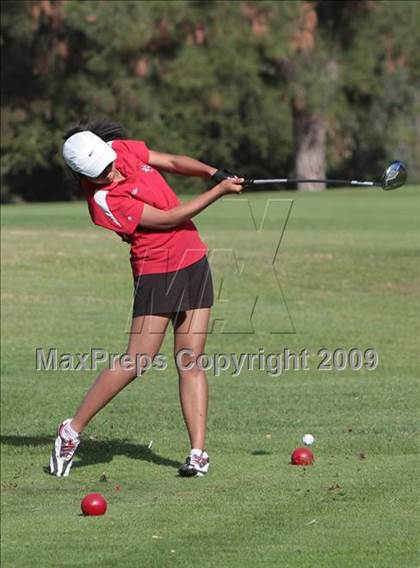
(349, 268)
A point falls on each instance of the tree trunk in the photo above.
(309, 138)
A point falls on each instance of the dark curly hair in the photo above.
(102, 127)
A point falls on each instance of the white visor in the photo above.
(87, 154)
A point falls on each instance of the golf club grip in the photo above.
(250, 182)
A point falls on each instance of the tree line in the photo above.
(262, 88)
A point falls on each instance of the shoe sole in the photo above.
(191, 472)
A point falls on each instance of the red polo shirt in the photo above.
(119, 207)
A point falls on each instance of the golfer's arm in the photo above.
(182, 165)
(157, 219)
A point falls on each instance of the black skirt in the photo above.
(173, 292)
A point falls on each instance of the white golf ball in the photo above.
(308, 439)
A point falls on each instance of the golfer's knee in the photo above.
(188, 361)
(133, 366)
(185, 358)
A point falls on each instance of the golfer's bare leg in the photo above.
(191, 333)
(146, 337)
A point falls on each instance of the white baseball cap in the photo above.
(87, 154)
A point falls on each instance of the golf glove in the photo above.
(220, 175)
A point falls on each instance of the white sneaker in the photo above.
(195, 465)
(63, 451)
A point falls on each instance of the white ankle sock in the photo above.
(196, 451)
(69, 432)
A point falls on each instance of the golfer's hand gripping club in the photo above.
(231, 185)
(221, 175)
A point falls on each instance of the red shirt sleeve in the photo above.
(118, 213)
(139, 149)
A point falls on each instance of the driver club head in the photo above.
(394, 176)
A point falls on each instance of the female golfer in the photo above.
(172, 280)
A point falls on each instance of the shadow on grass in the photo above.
(95, 451)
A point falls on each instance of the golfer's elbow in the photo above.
(159, 220)
(170, 220)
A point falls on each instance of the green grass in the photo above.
(348, 267)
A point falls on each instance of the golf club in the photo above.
(394, 176)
